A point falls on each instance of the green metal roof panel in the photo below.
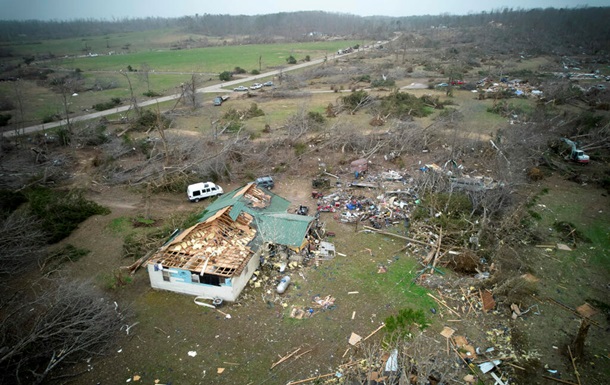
(238, 207)
(283, 228)
(240, 203)
(274, 224)
(226, 199)
(278, 204)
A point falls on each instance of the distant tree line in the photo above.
(585, 27)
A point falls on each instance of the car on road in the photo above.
(256, 86)
(240, 88)
(268, 84)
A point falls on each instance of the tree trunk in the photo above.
(578, 346)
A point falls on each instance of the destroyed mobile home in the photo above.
(217, 257)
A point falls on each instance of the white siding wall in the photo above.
(184, 285)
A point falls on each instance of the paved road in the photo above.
(217, 88)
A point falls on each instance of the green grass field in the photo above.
(169, 68)
(205, 60)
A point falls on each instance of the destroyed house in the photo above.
(216, 257)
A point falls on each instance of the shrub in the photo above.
(67, 253)
(291, 60)
(107, 105)
(354, 99)
(300, 148)
(364, 78)
(401, 325)
(4, 118)
(239, 70)
(151, 94)
(254, 111)
(402, 105)
(61, 212)
(383, 83)
(10, 201)
(148, 120)
(315, 117)
(225, 76)
(49, 118)
(255, 72)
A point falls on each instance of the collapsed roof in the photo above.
(231, 230)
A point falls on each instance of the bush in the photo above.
(239, 70)
(225, 76)
(402, 105)
(300, 148)
(4, 118)
(354, 99)
(255, 72)
(401, 325)
(61, 212)
(291, 60)
(107, 105)
(378, 83)
(49, 118)
(151, 94)
(254, 111)
(148, 120)
(10, 201)
(364, 79)
(67, 253)
(315, 117)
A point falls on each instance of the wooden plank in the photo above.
(284, 358)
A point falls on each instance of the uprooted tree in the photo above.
(52, 324)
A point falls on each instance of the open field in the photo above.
(101, 81)
(207, 60)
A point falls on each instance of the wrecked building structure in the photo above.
(216, 257)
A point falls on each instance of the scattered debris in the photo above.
(489, 365)
(325, 303)
(354, 339)
(488, 300)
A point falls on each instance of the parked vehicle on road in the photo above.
(240, 88)
(256, 86)
(268, 84)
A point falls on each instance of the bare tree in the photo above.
(21, 242)
(63, 321)
(134, 101)
(18, 90)
(298, 124)
(144, 73)
(66, 87)
(191, 91)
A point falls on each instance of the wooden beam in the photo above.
(311, 379)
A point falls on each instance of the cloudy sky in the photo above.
(118, 9)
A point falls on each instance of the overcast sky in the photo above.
(118, 9)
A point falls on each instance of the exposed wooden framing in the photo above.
(217, 246)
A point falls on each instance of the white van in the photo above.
(198, 191)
